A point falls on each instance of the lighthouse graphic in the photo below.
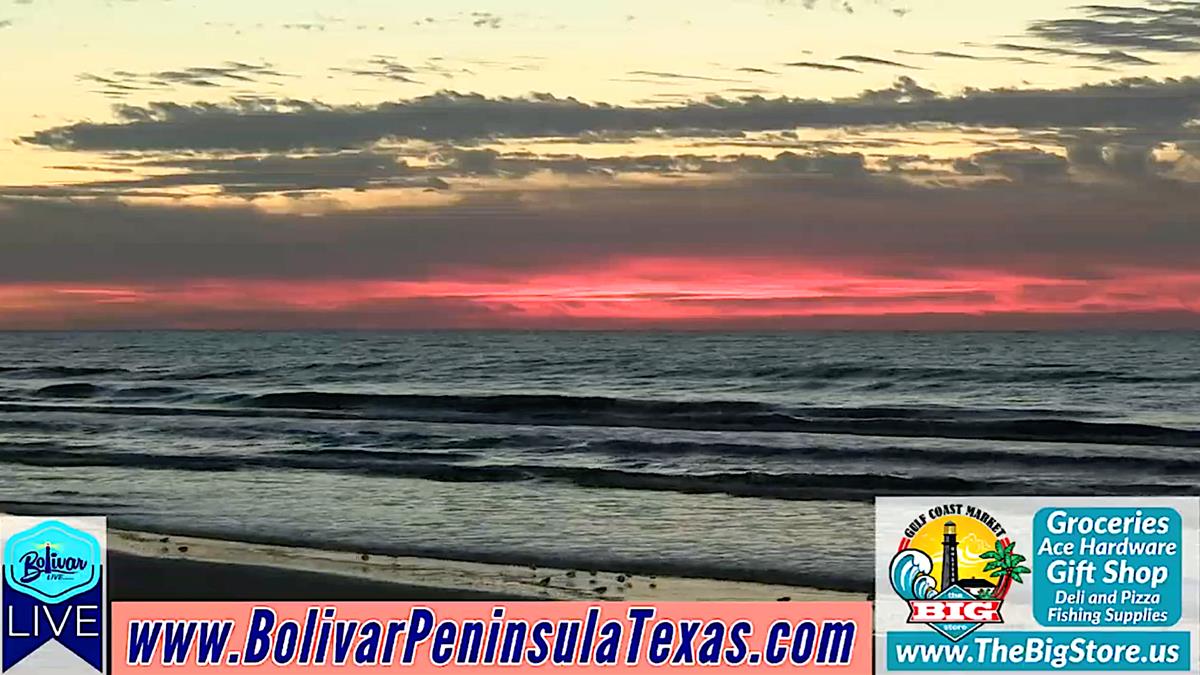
(949, 555)
(950, 590)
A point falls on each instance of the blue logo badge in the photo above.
(52, 589)
(52, 562)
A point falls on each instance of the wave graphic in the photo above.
(910, 574)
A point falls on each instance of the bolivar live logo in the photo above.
(954, 567)
(53, 591)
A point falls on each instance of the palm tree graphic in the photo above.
(1006, 565)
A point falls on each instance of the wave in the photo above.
(802, 375)
(905, 456)
(219, 374)
(549, 409)
(40, 426)
(380, 455)
(87, 390)
(415, 465)
(150, 393)
(497, 403)
(60, 371)
(596, 411)
(70, 390)
(836, 371)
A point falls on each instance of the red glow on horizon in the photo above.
(651, 291)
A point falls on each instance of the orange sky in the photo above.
(526, 164)
(650, 292)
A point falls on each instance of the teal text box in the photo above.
(1044, 651)
(1117, 566)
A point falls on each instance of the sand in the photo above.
(148, 566)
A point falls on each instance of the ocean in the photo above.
(737, 456)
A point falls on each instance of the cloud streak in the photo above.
(959, 56)
(681, 76)
(262, 124)
(1112, 56)
(871, 60)
(1170, 26)
(821, 66)
(121, 83)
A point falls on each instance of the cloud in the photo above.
(681, 76)
(491, 162)
(1111, 56)
(789, 237)
(264, 124)
(384, 68)
(478, 19)
(1128, 158)
(251, 175)
(783, 249)
(1163, 26)
(821, 66)
(874, 61)
(1017, 165)
(257, 175)
(121, 83)
(1028, 227)
(758, 71)
(5, 23)
(392, 70)
(971, 57)
(941, 54)
(486, 20)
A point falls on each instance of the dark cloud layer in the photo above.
(877, 227)
(1163, 25)
(257, 175)
(1030, 165)
(277, 125)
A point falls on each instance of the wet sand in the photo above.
(150, 566)
(137, 578)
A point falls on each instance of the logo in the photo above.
(52, 562)
(52, 595)
(954, 567)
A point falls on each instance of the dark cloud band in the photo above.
(281, 125)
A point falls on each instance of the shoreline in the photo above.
(135, 578)
(150, 566)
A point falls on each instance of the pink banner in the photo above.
(184, 638)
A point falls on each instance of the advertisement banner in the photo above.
(1037, 584)
(470, 636)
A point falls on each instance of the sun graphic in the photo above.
(974, 539)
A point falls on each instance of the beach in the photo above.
(146, 566)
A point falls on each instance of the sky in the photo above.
(526, 164)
